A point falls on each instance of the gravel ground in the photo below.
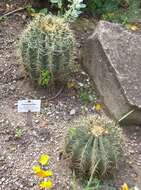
(18, 155)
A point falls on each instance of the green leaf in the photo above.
(54, 1)
(44, 11)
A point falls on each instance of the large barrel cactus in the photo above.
(93, 146)
(47, 49)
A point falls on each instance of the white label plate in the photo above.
(29, 105)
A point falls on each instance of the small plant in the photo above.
(18, 132)
(70, 9)
(45, 78)
(3, 18)
(93, 147)
(95, 185)
(74, 10)
(47, 49)
(122, 11)
(29, 9)
(100, 7)
(42, 172)
(34, 12)
(86, 94)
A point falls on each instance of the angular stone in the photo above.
(112, 57)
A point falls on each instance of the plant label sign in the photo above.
(29, 106)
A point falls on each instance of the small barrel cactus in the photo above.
(93, 146)
(47, 49)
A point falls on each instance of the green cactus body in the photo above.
(47, 49)
(93, 146)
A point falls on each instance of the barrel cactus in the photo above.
(47, 49)
(93, 146)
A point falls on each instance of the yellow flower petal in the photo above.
(124, 187)
(98, 107)
(42, 173)
(36, 169)
(44, 159)
(46, 184)
(48, 173)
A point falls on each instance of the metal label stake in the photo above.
(29, 116)
(29, 119)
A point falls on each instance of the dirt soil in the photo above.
(19, 154)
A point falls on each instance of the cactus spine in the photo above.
(93, 146)
(47, 49)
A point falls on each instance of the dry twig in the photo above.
(14, 11)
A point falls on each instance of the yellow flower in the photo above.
(36, 169)
(133, 27)
(46, 184)
(44, 159)
(98, 107)
(41, 173)
(124, 187)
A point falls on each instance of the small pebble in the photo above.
(73, 112)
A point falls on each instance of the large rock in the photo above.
(112, 57)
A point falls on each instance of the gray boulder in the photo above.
(112, 57)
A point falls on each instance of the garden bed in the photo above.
(18, 155)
